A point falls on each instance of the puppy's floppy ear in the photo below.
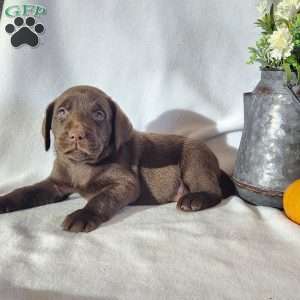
(47, 125)
(121, 126)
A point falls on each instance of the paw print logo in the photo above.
(24, 33)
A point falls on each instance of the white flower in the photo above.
(281, 44)
(287, 9)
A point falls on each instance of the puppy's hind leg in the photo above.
(200, 174)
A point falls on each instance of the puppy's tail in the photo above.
(227, 185)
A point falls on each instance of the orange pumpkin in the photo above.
(291, 201)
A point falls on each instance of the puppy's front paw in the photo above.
(81, 220)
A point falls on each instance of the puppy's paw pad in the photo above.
(198, 201)
(81, 220)
(189, 203)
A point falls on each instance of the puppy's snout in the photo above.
(77, 134)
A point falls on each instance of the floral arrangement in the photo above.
(278, 47)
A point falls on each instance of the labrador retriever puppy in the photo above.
(100, 156)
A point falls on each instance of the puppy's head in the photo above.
(85, 122)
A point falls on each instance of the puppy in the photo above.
(100, 156)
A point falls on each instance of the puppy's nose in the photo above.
(76, 135)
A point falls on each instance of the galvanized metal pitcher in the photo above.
(268, 158)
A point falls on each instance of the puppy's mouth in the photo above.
(77, 154)
(86, 152)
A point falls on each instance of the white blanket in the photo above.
(173, 66)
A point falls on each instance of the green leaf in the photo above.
(298, 72)
(272, 19)
(267, 22)
(288, 71)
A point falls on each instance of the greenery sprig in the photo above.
(278, 47)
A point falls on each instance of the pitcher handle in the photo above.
(293, 94)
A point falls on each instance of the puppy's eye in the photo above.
(61, 113)
(98, 115)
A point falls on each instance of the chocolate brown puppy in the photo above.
(100, 156)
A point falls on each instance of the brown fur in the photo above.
(101, 157)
